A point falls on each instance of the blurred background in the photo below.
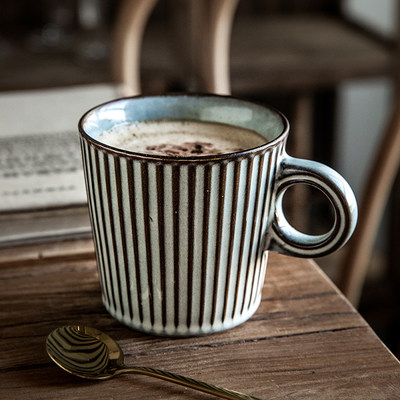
(57, 43)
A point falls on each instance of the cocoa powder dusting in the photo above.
(186, 149)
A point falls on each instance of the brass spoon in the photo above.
(91, 354)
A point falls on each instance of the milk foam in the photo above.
(182, 138)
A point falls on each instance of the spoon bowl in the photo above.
(91, 354)
(85, 352)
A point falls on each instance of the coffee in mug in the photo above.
(181, 138)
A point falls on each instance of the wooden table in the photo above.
(305, 341)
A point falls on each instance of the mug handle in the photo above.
(284, 238)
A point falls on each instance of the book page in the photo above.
(41, 171)
(40, 157)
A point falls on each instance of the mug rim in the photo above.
(198, 158)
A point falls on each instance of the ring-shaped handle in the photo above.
(284, 238)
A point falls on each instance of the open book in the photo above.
(42, 188)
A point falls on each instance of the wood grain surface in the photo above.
(304, 342)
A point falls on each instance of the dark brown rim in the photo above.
(154, 157)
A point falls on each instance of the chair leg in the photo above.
(379, 184)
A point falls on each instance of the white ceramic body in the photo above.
(182, 243)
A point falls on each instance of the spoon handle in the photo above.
(188, 382)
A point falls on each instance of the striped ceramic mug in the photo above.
(182, 242)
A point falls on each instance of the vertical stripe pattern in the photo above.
(180, 244)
